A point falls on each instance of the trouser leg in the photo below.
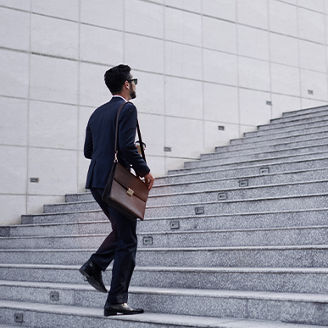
(105, 253)
(121, 246)
(124, 260)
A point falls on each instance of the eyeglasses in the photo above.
(134, 80)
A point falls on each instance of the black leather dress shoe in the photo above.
(123, 308)
(93, 275)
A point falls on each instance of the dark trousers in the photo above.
(121, 246)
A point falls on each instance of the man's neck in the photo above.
(121, 96)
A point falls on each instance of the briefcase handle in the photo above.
(116, 133)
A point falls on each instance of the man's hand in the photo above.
(149, 180)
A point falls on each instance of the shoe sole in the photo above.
(94, 283)
(108, 313)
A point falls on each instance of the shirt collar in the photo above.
(120, 97)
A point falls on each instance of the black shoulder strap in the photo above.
(116, 134)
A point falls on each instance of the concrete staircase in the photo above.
(236, 239)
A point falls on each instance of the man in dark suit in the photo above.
(121, 244)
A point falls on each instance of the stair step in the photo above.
(236, 256)
(285, 132)
(253, 138)
(303, 111)
(300, 176)
(297, 280)
(206, 166)
(74, 316)
(261, 157)
(238, 238)
(265, 141)
(305, 235)
(213, 303)
(255, 170)
(290, 202)
(212, 194)
(69, 225)
(242, 150)
(293, 122)
(300, 116)
(284, 127)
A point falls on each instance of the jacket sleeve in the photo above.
(126, 140)
(88, 146)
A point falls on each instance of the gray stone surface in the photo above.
(264, 129)
(238, 150)
(54, 316)
(251, 141)
(214, 207)
(241, 256)
(236, 239)
(249, 237)
(295, 162)
(304, 111)
(261, 157)
(291, 280)
(301, 116)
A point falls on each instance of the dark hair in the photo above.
(116, 76)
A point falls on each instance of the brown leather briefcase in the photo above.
(125, 191)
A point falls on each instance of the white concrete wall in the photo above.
(200, 64)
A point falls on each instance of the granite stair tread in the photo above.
(177, 232)
(252, 137)
(170, 269)
(300, 297)
(161, 319)
(303, 111)
(241, 232)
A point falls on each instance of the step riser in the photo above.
(261, 130)
(62, 218)
(292, 123)
(267, 149)
(294, 160)
(283, 127)
(278, 219)
(296, 113)
(259, 157)
(199, 239)
(275, 133)
(275, 138)
(286, 311)
(255, 281)
(235, 183)
(241, 207)
(297, 203)
(254, 143)
(258, 257)
(283, 119)
(222, 184)
(247, 193)
(243, 193)
(35, 318)
(239, 173)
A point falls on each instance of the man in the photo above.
(121, 244)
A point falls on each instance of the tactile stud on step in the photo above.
(243, 183)
(174, 224)
(54, 296)
(147, 240)
(199, 210)
(19, 317)
(264, 170)
(222, 196)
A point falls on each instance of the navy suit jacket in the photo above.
(100, 140)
